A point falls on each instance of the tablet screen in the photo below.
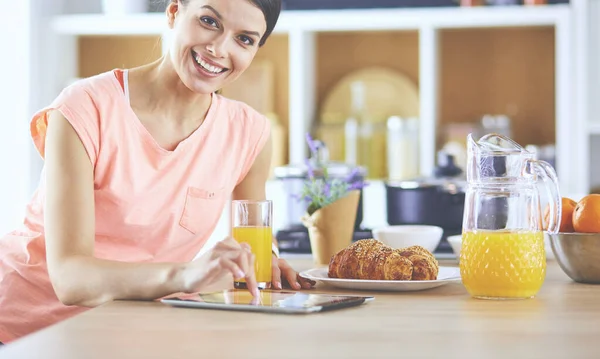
(270, 299)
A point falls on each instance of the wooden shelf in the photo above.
(500, 71)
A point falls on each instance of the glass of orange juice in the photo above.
(251, 223)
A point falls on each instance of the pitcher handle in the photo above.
(547, 174)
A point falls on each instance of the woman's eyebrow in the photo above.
(247, 32)
(213, 10)
(255, 33)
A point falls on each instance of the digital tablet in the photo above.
(269, 301)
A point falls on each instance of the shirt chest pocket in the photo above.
(202, 209)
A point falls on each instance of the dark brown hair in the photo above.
(270, 8)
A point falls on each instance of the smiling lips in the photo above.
(205, 67)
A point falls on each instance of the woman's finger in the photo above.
(242, 257)
(289, 274)
(228, 244)
(305, 283)
(276, 274)
(228, 265)
(251, 277)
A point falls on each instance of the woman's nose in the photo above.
(216, 47)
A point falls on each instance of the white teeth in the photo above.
(208, 67)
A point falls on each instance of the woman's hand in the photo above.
(283, 272)
(225, 260)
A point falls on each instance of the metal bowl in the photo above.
(578, 254)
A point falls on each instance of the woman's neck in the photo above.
(157, 89)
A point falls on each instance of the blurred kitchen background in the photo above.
(390, 86)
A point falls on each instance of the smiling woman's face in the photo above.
(214, 41)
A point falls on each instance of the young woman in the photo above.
(139, 165)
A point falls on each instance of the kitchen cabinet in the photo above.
(530, 63)
(500, 71)
(525, 62)
(508, 71)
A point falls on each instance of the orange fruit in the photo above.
(566, 217)
(586, 218)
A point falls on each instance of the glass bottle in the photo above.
(359, 130)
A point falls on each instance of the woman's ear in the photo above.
(172, 10)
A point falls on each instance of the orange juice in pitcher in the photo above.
(502, 252)
(503, 264)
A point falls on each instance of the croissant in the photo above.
(372, 260)
(425, 266)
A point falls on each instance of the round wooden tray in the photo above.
(387, 93)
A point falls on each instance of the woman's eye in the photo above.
(209, 21)
(246, 40)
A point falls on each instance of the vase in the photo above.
(331, 228)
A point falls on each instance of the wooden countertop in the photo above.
(562, 322)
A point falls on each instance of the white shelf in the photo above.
(334, 20)
(417, 18)
(99, 24)
(594, 128)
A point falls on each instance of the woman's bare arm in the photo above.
(80, 279)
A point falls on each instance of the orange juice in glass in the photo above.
(251, 224)
(503, 264)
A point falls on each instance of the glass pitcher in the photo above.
(502, 254)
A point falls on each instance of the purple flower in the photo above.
(311, 144)
(352, 174)
(322, 191)
(356, 185)
(309, 169)
(327, 189)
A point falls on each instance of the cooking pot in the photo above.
(426, 201)
(294, 177)
(438, 200)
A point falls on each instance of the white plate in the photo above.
(446, 275)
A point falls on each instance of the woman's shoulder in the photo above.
(239, 110)
(242, 116)
(103, 84)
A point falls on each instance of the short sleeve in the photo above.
(80, 109)
(260, 130)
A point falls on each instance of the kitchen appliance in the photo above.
(292, 235)
(437, 200)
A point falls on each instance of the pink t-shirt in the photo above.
(151, 204)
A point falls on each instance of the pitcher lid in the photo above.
(495, 157)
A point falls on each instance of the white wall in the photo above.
(594, 62)
(31, 61)
(595, 162)
(14, 104)
(595, 91)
